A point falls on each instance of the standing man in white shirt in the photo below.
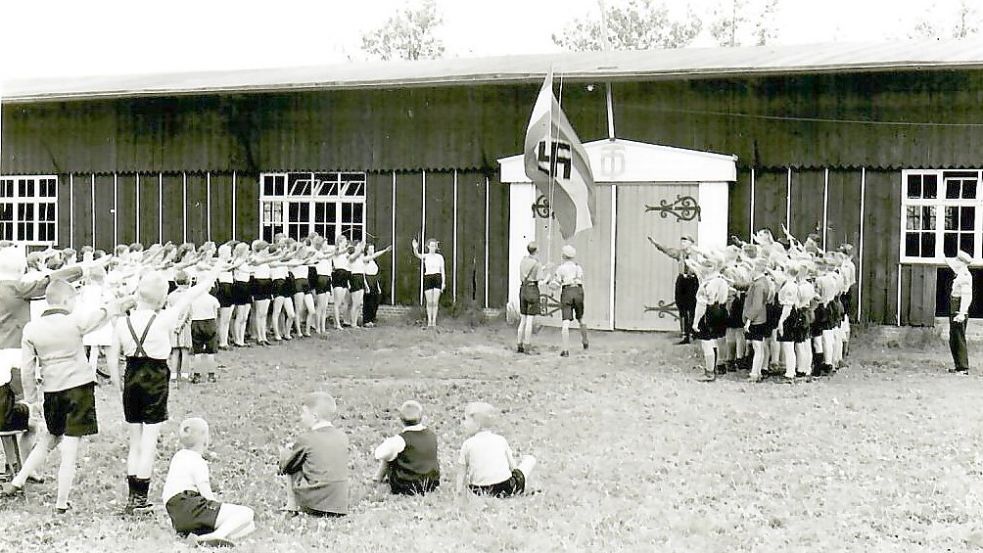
(962, 297)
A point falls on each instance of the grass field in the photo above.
(635, 455)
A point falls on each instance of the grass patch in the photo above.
(635, 455)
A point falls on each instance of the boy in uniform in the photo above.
(144, 336)
(529, 269)
(409, 459)
(570, 277)
(52, 347)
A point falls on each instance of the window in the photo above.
(29, 209)
(941, 214)
(300, 203)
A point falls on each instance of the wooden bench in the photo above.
(11, 448)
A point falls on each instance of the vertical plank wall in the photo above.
(197, 208)
(409, 212)
(103, 213)
(126, 201)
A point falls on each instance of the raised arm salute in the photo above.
(433, 277)
(686, 283)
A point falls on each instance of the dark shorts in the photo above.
(322, 284)
(795, 328)
(340, 278)
(572, 303)
(820, 322)
(204, 336)
(433, 282)
(846, 300)
(242, 292)
(301, 286)
(713, 324)
(262, 289)
(513, 486)
(836, 313)
(13, 415)
(71, 412)
(311, 273)
(357, 282)
(283, 287)
(757, 333)
(422, 486)
(529, 299)
(171, 286)
(192, 514)
(223, 293)
(145, 390)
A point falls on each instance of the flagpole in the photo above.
(607, 47)
(549, 154)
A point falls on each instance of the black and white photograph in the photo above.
(526, 276)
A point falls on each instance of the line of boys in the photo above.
(52, 347)
(789, 302)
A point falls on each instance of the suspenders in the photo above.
(140, 352)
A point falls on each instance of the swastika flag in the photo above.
(554, 153)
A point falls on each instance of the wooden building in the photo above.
(879, 145)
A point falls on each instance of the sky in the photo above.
(70, 38)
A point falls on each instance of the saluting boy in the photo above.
(52, 347)
(409, 459)
(145, 339)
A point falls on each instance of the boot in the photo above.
(141, 489)
(708, 376)
(131, 494)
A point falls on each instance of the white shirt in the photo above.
(358, 266)
(279, 273)
(392, 447)
(433, 264)
(243, 273)
(341, 261)
(300, 271)
(204, 308)
(487, 458)
(158, 342)
(187, 472)
(371, 268)
(262, 271)
(323, 267)
(225, 276)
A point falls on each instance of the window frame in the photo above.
(941, 203)
(312, 199)
(36, 202)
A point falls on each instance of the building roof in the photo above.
(673, 64)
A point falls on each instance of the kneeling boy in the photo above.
(409, 459)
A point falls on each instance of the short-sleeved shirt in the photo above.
(807, 292)
(187, 471)
(713, 291)
(529, 269)
(962, 286)
(789, 294)
(488, 459)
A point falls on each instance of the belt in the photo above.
(565, 286)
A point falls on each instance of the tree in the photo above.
(636, 25)
(408, 35)
(741, 22)
(962, 23)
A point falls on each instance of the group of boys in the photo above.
(765, 304)
(50, 354)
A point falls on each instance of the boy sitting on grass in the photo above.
(188, 495)
(409, 459)
(316, 465)
(486, 463)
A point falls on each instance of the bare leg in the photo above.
(39, 453)
(288, 320)
(583, 334)
(803, 356)
(788, 352)
(224, 322)
(759, 359)
(133, 456)
(148, 450)
(357, 298)
(291, 496)
(262, 310)
(339, 298)
(233, 521)
(311, 314)
(565, 336)
(275, 317)
(709, 348)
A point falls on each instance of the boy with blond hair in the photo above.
(316, 465)
(52, 348)
(486, 464)
(409, 459)
(188, 497)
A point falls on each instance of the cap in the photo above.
(569, 252)
(964, 257)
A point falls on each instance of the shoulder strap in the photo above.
(140, 352)
(525, 279)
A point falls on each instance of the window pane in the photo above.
(25, 188)
(299, 184)
(914, 186)
(928, 218)
(268, 188)
(969, 189)
(6, 231)
(950, 244)
(6, 212)
(929, 187)
(913, 218)
(967, 218)
(928, 244)
(952, 218)
(967, 242)
(952, 189)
